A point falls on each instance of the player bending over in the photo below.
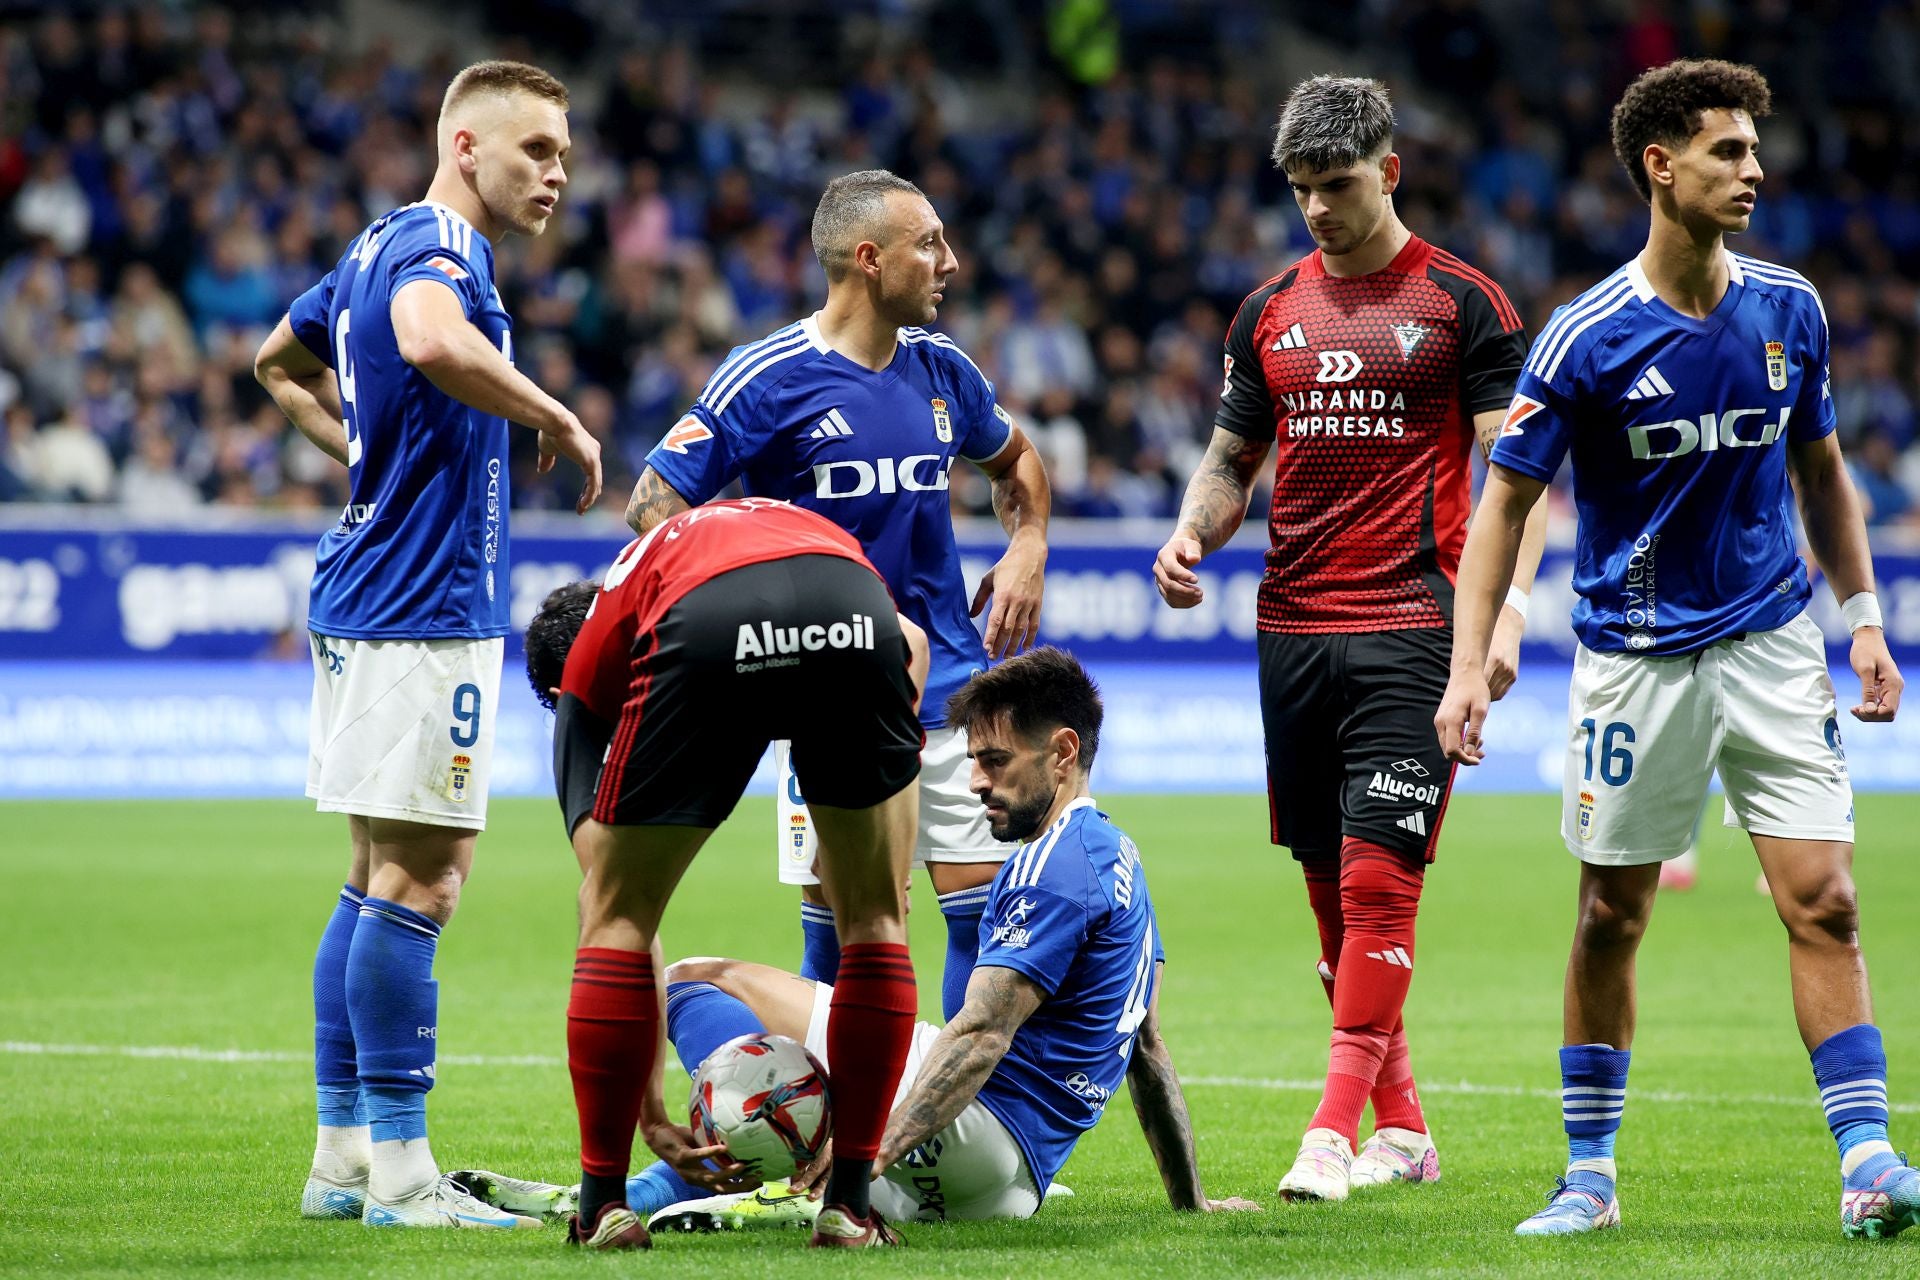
(1691, 388)
(1062, 1005)
(667, 696)
(398, 364)
(859, 414)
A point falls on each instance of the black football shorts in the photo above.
(807, 648)
(1351, 749)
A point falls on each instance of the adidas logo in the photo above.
(1415, 822)
(1650, 387)
(831, 425)
(1293, 338)
(1396, 956)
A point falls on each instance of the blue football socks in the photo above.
(335, 1073)
(962, 910)
(1850, 1069)
(1593, 1097)
(820, 943)
(393, 1003)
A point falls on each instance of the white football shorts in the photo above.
(1645, 735)
(404, 728)
(953, 822)
(971, 1170)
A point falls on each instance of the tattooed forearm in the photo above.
(1217, 496)
(653, 500)
(1162, 1108)
(961, 1058)
(1486, 428)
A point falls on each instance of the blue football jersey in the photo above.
(421, 550)
(871, 451)
(1069, 910)
(1678, 430)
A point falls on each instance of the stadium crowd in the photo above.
(169, 181)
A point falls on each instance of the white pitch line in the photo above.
(1469, 1088)
(1465, 1088)
(193, 1053)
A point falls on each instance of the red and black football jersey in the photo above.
(677, 555)
(1367, 385)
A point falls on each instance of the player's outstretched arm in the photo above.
(1023, 501)
(1486, 571)
(1215, 504)
(1162, 1108)
(653, 501)
(304, 388)
(1503, 655)
(961, 1058)
(1837, 535)
(434, 336)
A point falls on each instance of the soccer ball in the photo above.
(765, 1097)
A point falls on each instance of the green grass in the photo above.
(194, 925)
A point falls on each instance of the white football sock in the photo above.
(1862, 1152)
(401, 1167)
(341, 1153)
(1602, 1165)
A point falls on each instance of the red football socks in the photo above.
(869, 1029)
(613, 1028)
(1379, 898)
(1395, 1097)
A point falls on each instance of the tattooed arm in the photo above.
(1162, 1108)
(653, 500)
(961, 1058)
(1215, 504)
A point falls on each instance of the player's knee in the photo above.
(1607, 923)
(1826, 910)
(712, 969)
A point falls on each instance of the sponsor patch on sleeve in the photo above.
(1522, 408)
(689, 430)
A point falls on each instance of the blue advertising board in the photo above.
(100, 588)
(142, 660)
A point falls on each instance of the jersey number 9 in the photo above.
(343, 374)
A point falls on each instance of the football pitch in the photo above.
(155, 1060)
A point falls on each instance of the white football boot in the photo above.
(1322, 1170)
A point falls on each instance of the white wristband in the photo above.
(1862, 609)
(1517, 601)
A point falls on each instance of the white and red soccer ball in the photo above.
(766, 1098)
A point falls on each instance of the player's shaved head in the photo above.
(1665, 105)
(1333, 122)
(853, 208)
(551, 634)
(1035, 693)
(478, 94)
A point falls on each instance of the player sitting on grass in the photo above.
(1061, 1006)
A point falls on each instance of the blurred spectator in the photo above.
(52, 204)
(62, 461)
(1874, 465)
(171, 179)
(151, 482)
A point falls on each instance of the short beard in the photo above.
(1022, 820)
